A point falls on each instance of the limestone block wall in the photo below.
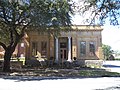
(78, 34)
(38, 38)
(89, 63)
(87, 36)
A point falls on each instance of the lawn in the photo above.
(52, 72)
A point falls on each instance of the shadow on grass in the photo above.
(56, 74)
(111, 66)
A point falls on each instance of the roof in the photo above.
(72, 28)
(87, 27)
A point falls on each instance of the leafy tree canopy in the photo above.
(17, 16)
(107, 51)
(100, 10)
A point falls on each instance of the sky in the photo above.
(110, 34)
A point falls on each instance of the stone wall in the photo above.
(94, 63)
(89, 63)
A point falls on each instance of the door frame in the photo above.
(64, 41)
(63, 52)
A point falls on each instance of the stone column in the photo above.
(74, 47)
(69, 49)
(56, 50)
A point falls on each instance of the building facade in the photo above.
(83, 42)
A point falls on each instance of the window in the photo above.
(92, 48)
(44, 49)
(63, 45)
(82, 48)
(34, 48)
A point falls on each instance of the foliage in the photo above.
(18, 16)
(100, 10)
(107, 51)
(40, 13)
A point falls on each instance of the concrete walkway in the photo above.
(113, 66)
(54, 83)
(62, 84)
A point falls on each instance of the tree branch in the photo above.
(20, 20)
(2, 19)
(3, 45)
(4, 15)
(23, 30)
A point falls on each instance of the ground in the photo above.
(70, 79)
(113, 66)
(35, 83)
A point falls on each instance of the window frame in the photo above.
(34, 48)
(83, 48)
(92, 48)
(44, 49)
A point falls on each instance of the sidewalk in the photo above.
(62, 84)
(112, 66)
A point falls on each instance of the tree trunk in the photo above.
(7, 57)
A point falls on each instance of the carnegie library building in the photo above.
(82, 42)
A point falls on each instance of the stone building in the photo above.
(83, 42)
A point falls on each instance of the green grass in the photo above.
(69, 73)
(74, 72)
(100, 73)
